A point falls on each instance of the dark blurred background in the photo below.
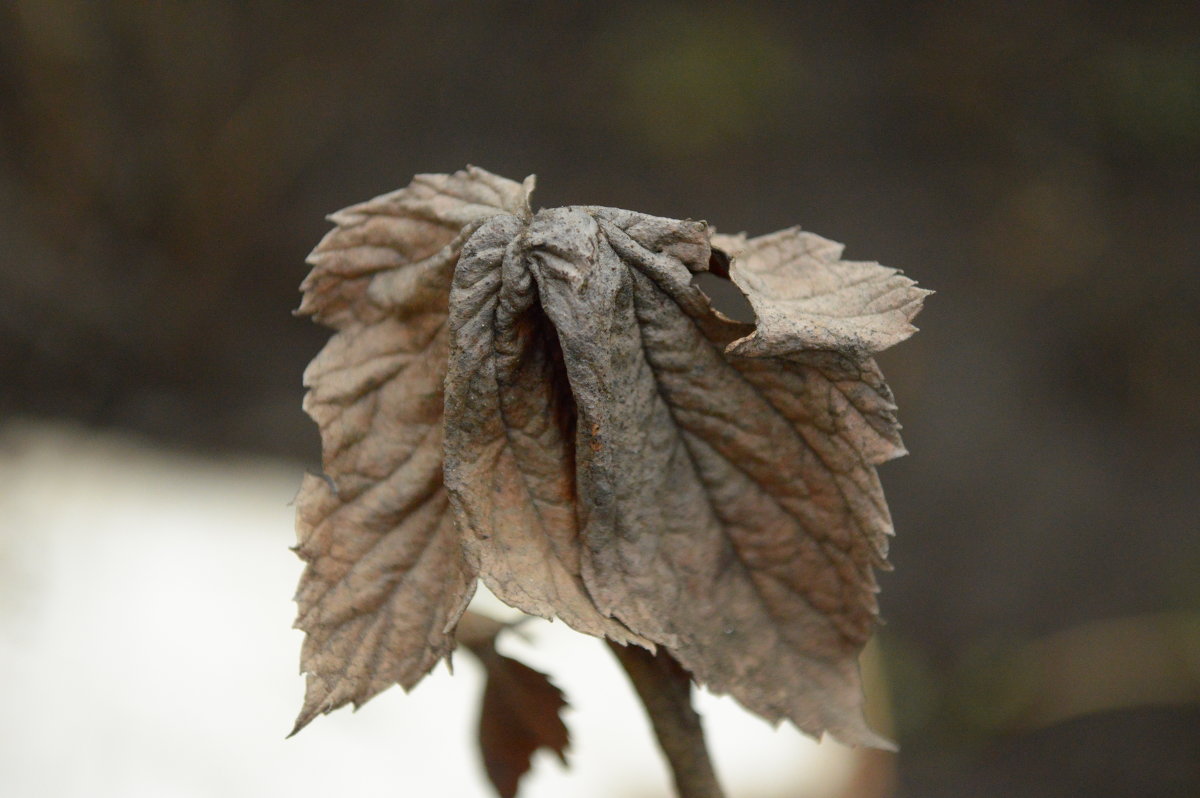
(165, 168)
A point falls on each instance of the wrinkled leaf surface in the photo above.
(613, 452)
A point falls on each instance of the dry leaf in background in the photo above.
(549, 403)
(520, 712)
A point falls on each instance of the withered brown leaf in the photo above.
(386, 579)
(617, 453)
(520, 713)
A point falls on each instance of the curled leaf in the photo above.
(806, 297)
(510, 437)
(617, 454)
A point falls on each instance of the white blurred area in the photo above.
(146, 649)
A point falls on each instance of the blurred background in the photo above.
(166, 166)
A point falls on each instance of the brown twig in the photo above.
(665, 690)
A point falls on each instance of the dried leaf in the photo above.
(386, 578)
(805, 297)
(618, 454)
(520, 713)
(510, 438)
(733, 512)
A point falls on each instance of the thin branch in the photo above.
(665, 690)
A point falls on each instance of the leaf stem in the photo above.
(665, 690)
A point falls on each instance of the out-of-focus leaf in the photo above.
(521, 710)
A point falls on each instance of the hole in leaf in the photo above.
(723, 294)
